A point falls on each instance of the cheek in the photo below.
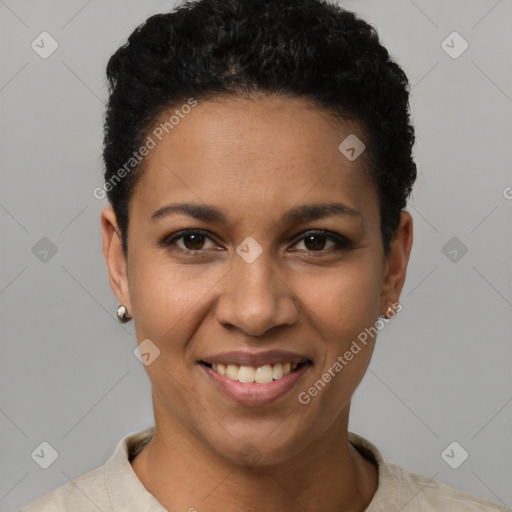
(344, 300)
(166, 298)
(168, 304)
(344, 306)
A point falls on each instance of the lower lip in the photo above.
(253, 393)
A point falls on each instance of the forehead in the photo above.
(252, 155)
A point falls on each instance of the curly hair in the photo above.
(308, 49)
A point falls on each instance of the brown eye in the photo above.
(192, 241)
(315, 241)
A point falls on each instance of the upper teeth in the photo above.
(261, 375)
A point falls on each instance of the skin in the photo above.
(254, 159)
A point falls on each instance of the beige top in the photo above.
(115, 486)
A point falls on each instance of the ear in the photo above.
(114, 257)
(396, 263)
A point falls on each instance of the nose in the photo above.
(254, 298)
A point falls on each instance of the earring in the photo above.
(122, 314)
(390, 312)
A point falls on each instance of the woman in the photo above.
(239, 133)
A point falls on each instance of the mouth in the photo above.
(263, 374)
(255, 379)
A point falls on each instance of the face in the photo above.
(247, 275)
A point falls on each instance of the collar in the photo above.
(126, 491)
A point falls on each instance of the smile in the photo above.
(261, 375)
(255, 385)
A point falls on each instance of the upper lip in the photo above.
(256, 359)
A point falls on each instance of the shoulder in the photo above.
(112, 486)
(85, 493)
(417, 492)
(401, 489)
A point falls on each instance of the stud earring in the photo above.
(390, 312)
(122, 314)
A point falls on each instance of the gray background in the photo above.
(441, 371)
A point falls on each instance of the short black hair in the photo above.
(308, 49)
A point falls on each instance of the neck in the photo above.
(182, 473)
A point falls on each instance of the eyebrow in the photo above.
(300, 213)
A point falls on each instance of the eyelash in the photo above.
(342, 243)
